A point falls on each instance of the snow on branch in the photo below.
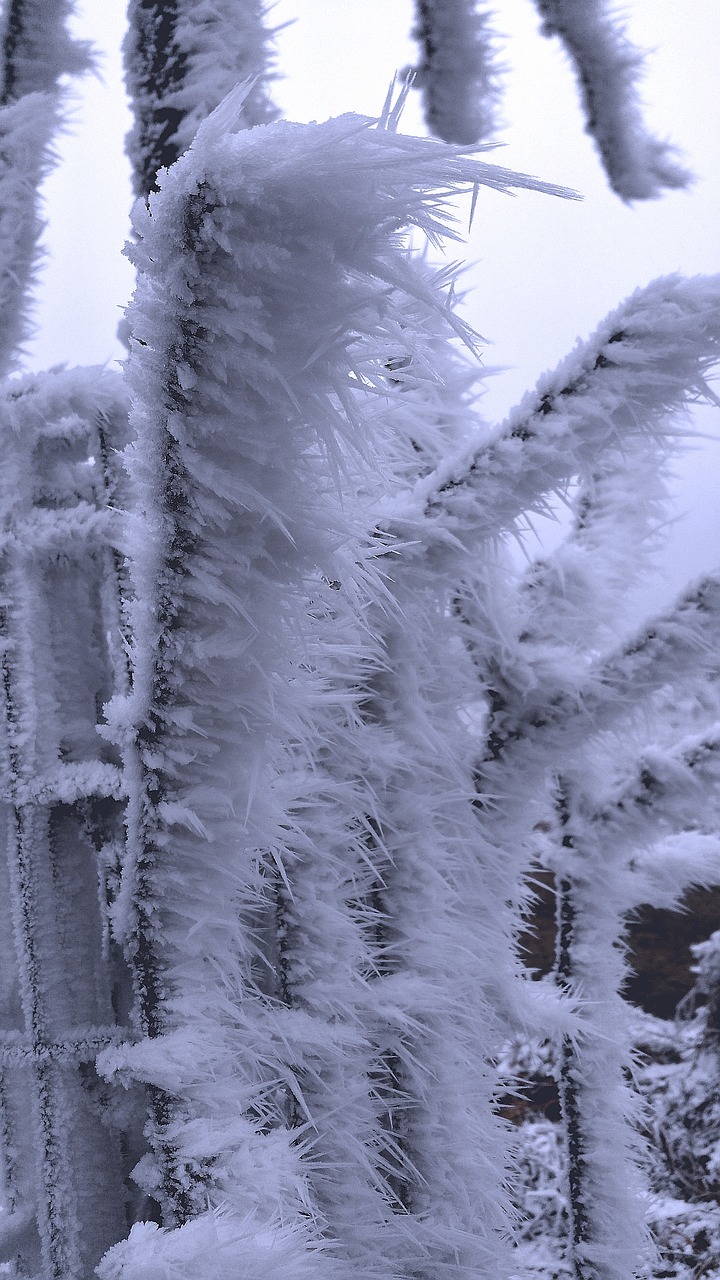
(646, 361)
(608, 69)
(457, 72)
(273, 294)
(181, 59)
(36, 51)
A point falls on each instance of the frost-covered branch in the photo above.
(599, 1111)
(675, 649)
(645, 362)
(35, 52)
(181, 59)
(267, 869)
(457, 73)
(61, 796)
(608, 69)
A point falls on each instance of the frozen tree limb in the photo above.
(457, 72)
(608, 68)
(181, 59)
(35, 51)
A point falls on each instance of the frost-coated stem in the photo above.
(457, 73)
(607, 1234)
(181, 58)
(35, 51)
(608, 68)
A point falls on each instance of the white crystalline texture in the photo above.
(456, 73)
(608, 69)
(217, 1247)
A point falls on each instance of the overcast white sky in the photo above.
(545, 271)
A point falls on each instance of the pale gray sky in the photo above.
(545, 271)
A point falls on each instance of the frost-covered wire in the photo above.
(62, 799)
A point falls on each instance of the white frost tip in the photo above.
(228, 114)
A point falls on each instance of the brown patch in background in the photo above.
(659, 943)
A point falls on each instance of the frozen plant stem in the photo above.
(570, 1068)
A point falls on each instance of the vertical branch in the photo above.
(569, 1065)
(457, 73)
(35, 51)
(63, 793)
(595, 893)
